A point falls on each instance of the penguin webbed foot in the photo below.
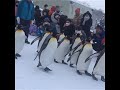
(78, 72)
(102, 78)
(18, 55)
(56, 61)
(93, 76)
(39, 64)
(71, 65)
(47, 69)
(88, 74)
(64, 62)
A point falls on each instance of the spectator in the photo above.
(55, 20)
(45, 13)
(26, 14)
(52, 10)
(16, 7)
(98, 38)
(86, 23)
(69, 29)
(102, 22)
(37, 15)
(77, 19)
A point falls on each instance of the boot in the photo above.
(27, 42)
(55, 61)
(93, 76)
(18, 55)
(78, 72)
(87, 73)
(64, 62)
(102, 78)
(47, 69)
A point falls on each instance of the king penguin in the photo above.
(86, 52)
(19, 40)
(47, 51)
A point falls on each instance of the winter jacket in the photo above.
(97, 41)
(69, 30)
(86, 27)
(25, 10)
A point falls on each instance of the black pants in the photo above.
(26, 25)
(88, 34)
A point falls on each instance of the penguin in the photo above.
(99, 68)
(40, 42)
(73, 57)
(47, 51)
(86, 52)
(19, 40)
(62, 50)
(61, 37)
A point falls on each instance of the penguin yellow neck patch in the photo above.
(52, 39)
(19, 30)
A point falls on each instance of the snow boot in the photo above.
(102, 78)
(18, 55)
(93, 76)
(88, 74)
(47, 69)
(64, 62)
(78, 72)
(55, 61)
(39, 64)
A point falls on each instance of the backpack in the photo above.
(33, 29)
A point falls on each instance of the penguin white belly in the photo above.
(100, 67)
(62, 50)
(92, 63)
(47, 56)
(19, 41)
(41, 42)
(73, 59)
(81, 65)
(61, 37)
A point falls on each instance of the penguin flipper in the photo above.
(61, 42)
(35, 40)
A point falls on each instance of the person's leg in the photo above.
(26, 24)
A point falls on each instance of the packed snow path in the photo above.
(63, 77)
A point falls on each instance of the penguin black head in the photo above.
(78, 35)
(20, 27)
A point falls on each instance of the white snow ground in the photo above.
(63, 77)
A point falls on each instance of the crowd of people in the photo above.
(37, 22)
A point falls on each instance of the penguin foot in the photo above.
(27, 42)
(39, 64)
(93, 76)
(18, 55)
(55, 61)
(88, 74)
(78, 72)
(47, 69)
(71, 65)
(64, 62)
(15, 57)
(102, 78)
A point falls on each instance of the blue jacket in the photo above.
(25, 10)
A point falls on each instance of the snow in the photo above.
(63, 77)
